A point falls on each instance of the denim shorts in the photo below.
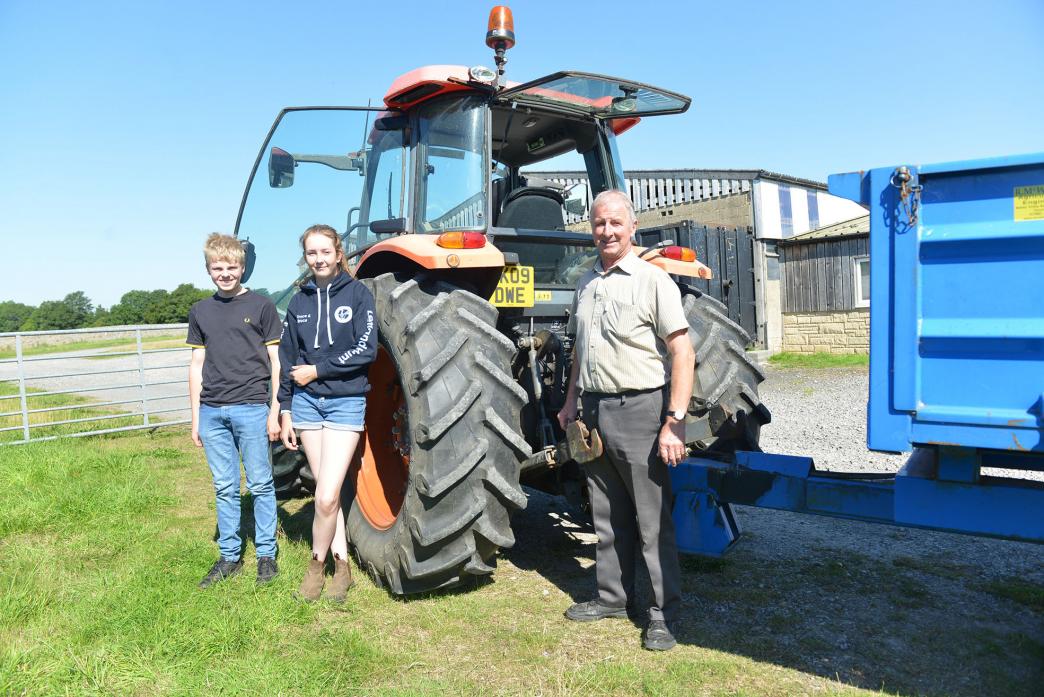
(309, 413)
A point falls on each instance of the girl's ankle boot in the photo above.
(341, 581)
(312, 585)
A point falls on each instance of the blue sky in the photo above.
(129, 128)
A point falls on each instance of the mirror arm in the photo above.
(351, 162)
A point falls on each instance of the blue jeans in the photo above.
(227, 433)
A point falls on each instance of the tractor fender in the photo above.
(694, 269)
(423, 251)
(478, 269)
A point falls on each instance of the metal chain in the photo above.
(909, 194)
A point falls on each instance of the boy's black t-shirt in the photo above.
(235, 333)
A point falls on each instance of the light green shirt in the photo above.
(621, 318)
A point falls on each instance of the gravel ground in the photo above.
(110, 379)
(902, 610)
(822, 414)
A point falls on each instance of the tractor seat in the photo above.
(533, 208)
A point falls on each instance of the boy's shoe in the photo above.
(312, 584)
(593, 610)
(221, 570)
(341, 581)
(658, 636)
(267, 569)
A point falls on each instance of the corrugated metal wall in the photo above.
(657, 188)
(729, 252)
(819, 276)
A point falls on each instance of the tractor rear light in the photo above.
(462, 240)
(679, 253)
(500, 32)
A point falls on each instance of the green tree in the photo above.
(131, 307)
(13, 315)
(71, 312)
(174, 307)
(101, 317)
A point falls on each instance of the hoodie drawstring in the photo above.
(318, 313)
(329, 334)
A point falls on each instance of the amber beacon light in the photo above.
(500, 32)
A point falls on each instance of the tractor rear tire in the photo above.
(439, 473)
(725, 376)
(289, 469)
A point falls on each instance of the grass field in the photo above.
(102, 542)
(68, 407)
(819, 360)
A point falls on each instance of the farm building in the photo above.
(826, 289)
(737, 219)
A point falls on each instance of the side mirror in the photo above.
(398, 122)
(280, 168)
(251, 259)
(576, 199)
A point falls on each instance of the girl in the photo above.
(329, 340)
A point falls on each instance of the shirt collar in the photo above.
(626, 265)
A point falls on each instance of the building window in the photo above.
(813, 209)
(786, 212)
(861, 268)
(772, 260)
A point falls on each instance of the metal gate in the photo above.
(729, 252)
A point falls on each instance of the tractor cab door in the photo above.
(345, 167)
(554, 149)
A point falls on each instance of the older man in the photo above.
(631, 343)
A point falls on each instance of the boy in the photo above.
(233, 378)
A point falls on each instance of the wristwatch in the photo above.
(678, 415)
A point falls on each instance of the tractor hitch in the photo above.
(580, 446)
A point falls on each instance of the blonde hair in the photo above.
(220, 247)
(330, 234)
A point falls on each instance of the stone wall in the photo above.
(730, 211)
(827, 332)
(724, 211)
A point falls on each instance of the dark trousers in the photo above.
(631, 500)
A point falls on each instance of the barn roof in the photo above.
(855, 227)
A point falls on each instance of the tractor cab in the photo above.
(447, 155)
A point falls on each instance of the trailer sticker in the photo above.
(1029, 202)
(515, 288)
(543, 296)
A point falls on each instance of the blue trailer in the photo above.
(956, 366)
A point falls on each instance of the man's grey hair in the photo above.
(617, 194)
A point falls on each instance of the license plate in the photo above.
(515, 288)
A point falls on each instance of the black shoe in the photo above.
(658, 636)
(593, 610)
(221, 570)
(267, 569)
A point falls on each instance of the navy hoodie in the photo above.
(334, 329)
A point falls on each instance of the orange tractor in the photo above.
(473, 268)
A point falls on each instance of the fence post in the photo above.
(21, 388)
(141, 378)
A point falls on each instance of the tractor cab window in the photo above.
(551, 163)
(453, 170)
(385, 210)
(327, 165)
